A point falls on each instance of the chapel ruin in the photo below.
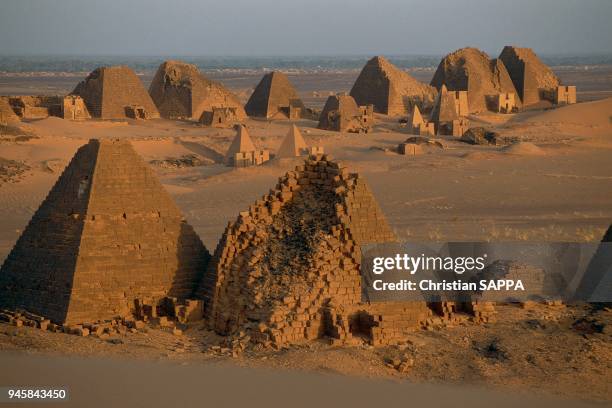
(342, 114)
(180, 91)
(107, 237)
(391, 90)
(116, 93)
(420, 126)
(275, 98)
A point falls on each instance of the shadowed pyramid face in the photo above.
(107, 234)
(273, 94)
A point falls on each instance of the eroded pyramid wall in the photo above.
(107, 234)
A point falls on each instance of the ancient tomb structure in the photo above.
(39, 107)
(506, 103)
(180, 91)
(391, 90)
(445, 116)
(110, 92)
(471, 70)
(596, 284)
(7, 114)
(531, 77)
(287, 270)
(222, 117)
(107, 235)
(74, 108)
(418, 125)
(342, 114)
(294, 145)
(565, 95)
(275, 98)
(242, 151)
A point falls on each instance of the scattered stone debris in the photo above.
(12, 171)
(188, 160)
(481, 136)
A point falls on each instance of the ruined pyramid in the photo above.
(340, 113)
(273, 97)
(110, 92)
(444, 110)
(471, 70)
(416, 119)
(242, 143)
(391, 90)
(107, 234)
(179, 90)
(293, 145)
(7, 115)
(529, 74)
(282, 264)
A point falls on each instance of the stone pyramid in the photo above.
(338, 113)
(242, 143)
(596, 284)
(472, 70)
(293, 252)
(272, 96)
(529, 74)
(107, 234)
(179, 90)
(391, 90)
(7, 115)
(444, 110)
(109, 92)
(293, 145)
(415, 119)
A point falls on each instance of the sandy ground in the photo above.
(561, 190)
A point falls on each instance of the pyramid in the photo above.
(444, 110)
(391, 90)
(109, 92)
(293, 145)
(293, 253)
(529, 74)
(242, 143)
(340, 113)
(272, 97)
(415, 119)
(179, 90)
(107, 234)
(472, 70)
(596, 284)
(7, 115)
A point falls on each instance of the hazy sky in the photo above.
(301, 27)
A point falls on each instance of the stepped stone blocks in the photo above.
(275, 98)
(109, 92)
(390, 90)
(471, 70)
(7, 115)
(341, 114)
(180, 91)
(106, 235)
(506, 103)
(531, 77)
(294, 254)
(565, 95)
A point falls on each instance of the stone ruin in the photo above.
(596, 283)
(275, 98)
(341, 114)
(391, 90)
(471, 70)
(532, 78)
(180, 91)
(445, 114)
(107, 238)
(294, 145)
(39, 107)
(242, 151)
(112, 92)
(74, 108)
(565, 95)
(7, 114)
(506, 103)
(420, 126)
(221, 117)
